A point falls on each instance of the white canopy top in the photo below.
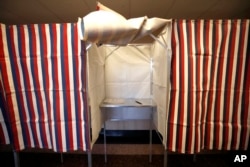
(106, 26)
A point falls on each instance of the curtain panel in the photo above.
(209, 99)
(43, 78)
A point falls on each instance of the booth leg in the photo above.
(16, 159)
(61, 158)
(89, 158)
(194, 158)
(165, 158)
(105, 142)
(150, 142)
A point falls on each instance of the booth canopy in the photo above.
(106, 26)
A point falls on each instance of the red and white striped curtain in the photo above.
(209, 99)
(43, 74)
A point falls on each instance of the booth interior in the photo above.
(128, 60)
(133, 71)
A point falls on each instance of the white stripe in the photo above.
(11, 84)
(71, 79)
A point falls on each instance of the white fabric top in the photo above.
(106, 26)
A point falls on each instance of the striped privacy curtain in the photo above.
(209, 99)
(43, 76)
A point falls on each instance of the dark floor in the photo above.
(127, 155)
(80, 160)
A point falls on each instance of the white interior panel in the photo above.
(96, 87)
(161, 51)
(127, 72)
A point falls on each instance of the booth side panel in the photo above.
(42, 70)
(209, 103)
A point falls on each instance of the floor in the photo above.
(28, 159)
(123, 152)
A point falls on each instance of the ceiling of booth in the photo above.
(58, 11)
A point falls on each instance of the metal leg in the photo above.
(150, 142)
(61, 158)
(105, 143)
(89, 159)
(165, 158)
(16, 159)
(194, 158)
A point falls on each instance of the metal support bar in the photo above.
(89, 158)
(194, 158)
(105, 142)
(150, 138)
(150, 145)
(162, 44)
(165, 158)
(61, 158)
(16, 159)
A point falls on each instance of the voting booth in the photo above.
(54, 77)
